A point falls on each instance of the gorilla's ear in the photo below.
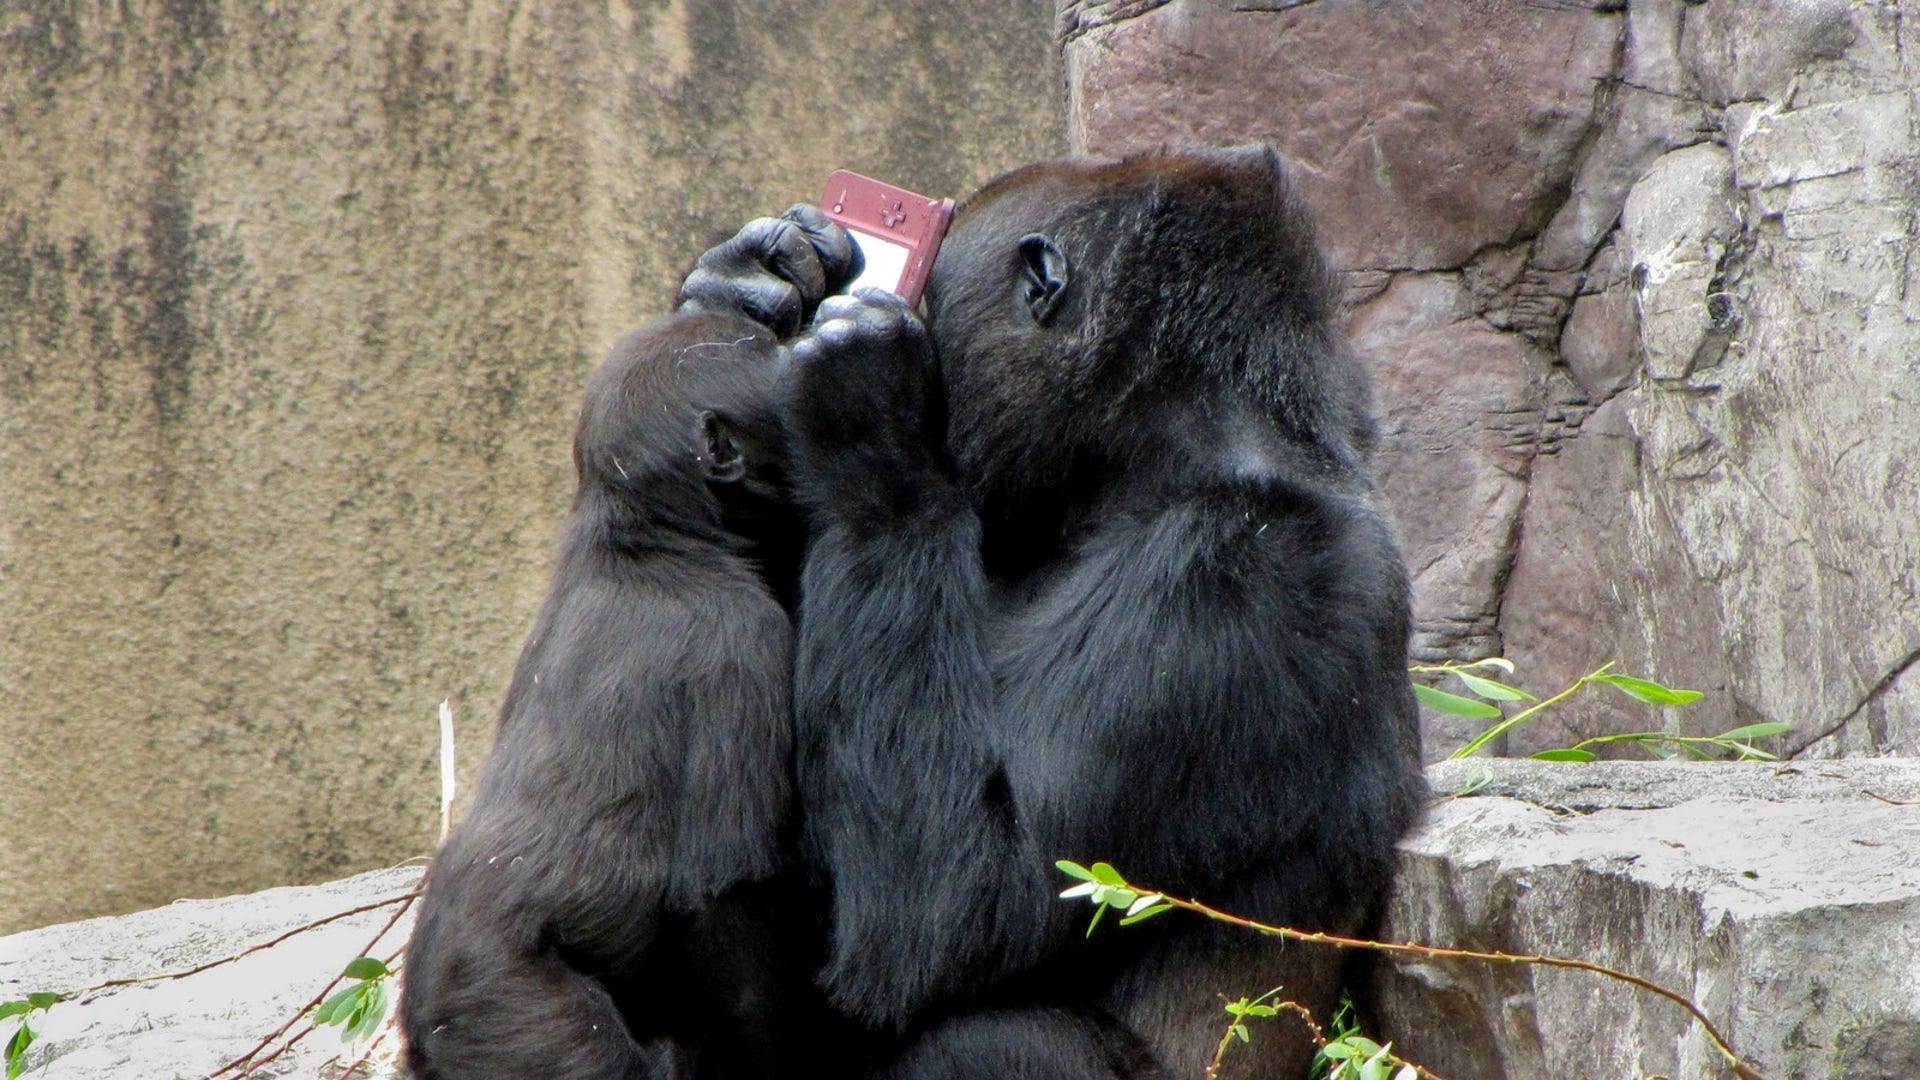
(1046, 276)
(720, 459)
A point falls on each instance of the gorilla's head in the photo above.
(682, 427)
(1089, 312)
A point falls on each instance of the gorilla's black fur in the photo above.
(1096, 572)
(614, 904)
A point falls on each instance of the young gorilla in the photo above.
(1096, 572)
(614, 905)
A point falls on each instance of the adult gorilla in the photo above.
(1096, 572)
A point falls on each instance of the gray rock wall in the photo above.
(1639, 280)
(296, 303)
(1785, 902)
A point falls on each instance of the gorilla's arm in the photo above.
(1186, 698)
(906, 806)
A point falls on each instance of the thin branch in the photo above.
(111, 984)
(1720, 1043)
(1314, 1030)
(1220, 1052)
(245, 1063)
(1524, 715)
(1239, 1024)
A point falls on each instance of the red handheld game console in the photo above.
(898, 232)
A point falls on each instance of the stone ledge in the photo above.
(1782, 898)
(188, 1027)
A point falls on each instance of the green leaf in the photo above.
(1755, 731)
(1338, 1050)
(1750, 753)
(372, 1014)
(1097, 913)
(1241, 1030)
(1454, 703)
(1496, 691)
(1500, 662)
(44, 1000)
(1074, 869)
(1145, 913)
(1144, 902)
(17, 1050)
(365, 967)
(1262, 1010)
(1105, 874)
(336, 1007)
(14, 1008)
(1649, 691)
(1568, 754)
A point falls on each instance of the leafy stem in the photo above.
(1527, 714)
(1117, 886)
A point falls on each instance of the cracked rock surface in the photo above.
(1785, 901)
(1638, 280)
(190, 1026)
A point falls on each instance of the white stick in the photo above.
(446, 767)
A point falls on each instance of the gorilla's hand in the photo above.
(774, 271)
(868, 406)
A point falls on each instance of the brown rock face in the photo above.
(1422, 132)
(1638, 278)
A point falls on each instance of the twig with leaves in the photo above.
(24, 1035)
(17, 1045)
(1345, 1055)
(1485, 696)
(1244, 1008)
(361, 1007)
(1106, 887)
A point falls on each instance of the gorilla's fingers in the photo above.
(839, 307)
(769, 271)
(838, 257)
(783, 247)
(765, 299)
(806, 351)
(836, 333)
(873, 315)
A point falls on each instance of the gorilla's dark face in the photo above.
(1007, 305)
(1075, 303)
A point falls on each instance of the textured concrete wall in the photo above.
(296, 301)
(1640, 281)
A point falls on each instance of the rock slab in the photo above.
(1784, 900)
(193, 1025)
